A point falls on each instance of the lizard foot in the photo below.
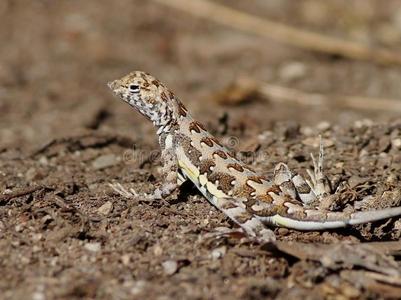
(119, 189)
(158, 194)
(316, 187)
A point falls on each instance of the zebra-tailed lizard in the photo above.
(189, 151)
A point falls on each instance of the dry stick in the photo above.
(20, 193)
(282, 33)
(280, 94)
(245, 88)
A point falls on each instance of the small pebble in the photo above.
(218, 252)
(292, 71)
(125, 259)
(93, 247)
(396, 143)
(363, 123)
(315, 142)
(19, 227)
(170, 267)
(323, 126)
(138, 287)
(30, 174)
(36, 249)
(43, 161)
(157, 250)
(105, 209)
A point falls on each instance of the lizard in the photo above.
(252, 201)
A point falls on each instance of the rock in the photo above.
(363, 123)
(43, 161)
(396, 143)
(30, 174)
(218, 252)
(315, 142)
(170, 267)
(138, 287)
(105, 209)
(157, 250)
(93, 247)
(125, 259)
(323, 126)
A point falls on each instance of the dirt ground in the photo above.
(65, 234)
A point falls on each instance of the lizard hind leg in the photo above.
(295, 187)
(249, 223)
(310, 190)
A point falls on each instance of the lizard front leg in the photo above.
(170, 175)
(171, 178)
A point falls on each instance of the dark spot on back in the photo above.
(249, 169)
(193, 126)
(245, 191)
(216, 141)
(224, 181)
(182, 111)
(200, 125)
(236, 166)
(256, 179)
(204, 166)
(221, 153)
(207, 141)
(192, 153)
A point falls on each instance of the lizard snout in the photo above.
(112, 85)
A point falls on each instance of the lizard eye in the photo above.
(134, 88)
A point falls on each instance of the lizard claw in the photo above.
(119, 189)
(158, 194)
(131, 193)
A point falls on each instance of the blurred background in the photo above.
(56, 57)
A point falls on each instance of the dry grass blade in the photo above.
(282, 33)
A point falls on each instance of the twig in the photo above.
(283, 33)
(19, 193)
(279, 93)
(244, 87)
(94, 140)
(394, 280)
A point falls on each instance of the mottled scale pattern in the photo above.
(248, 184)
(189, 151)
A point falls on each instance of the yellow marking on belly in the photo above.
(212, 189)
(190, 170)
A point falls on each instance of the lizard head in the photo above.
(147, 95)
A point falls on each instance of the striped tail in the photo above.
(332, 220)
